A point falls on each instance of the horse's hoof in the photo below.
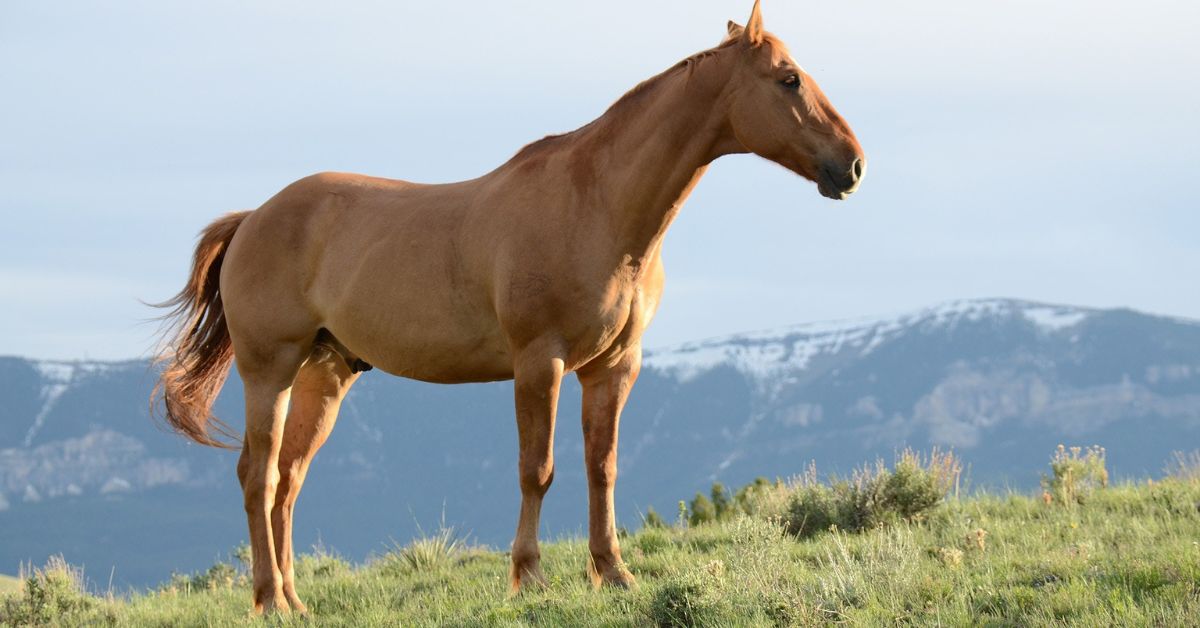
(272, 605)
(526, 577)
(614, 575)
(619, 579)
(298, 607)
(624, 580)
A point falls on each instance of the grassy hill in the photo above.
(9, 584)
(1077, 554)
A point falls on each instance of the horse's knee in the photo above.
(260, 489)
(602, 474)
(536, 478)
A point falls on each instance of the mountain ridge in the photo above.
(1002, 381)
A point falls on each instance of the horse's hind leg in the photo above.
(267, 373)
(316, 396)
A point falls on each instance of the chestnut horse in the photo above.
(548, 265)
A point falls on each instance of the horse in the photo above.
(548, 265)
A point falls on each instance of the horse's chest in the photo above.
(589, 317)
(606, 326)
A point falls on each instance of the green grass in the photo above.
(1129, 555)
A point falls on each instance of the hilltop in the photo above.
(1125, 555)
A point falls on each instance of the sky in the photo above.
(1038, 150)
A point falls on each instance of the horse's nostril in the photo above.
(856, 169)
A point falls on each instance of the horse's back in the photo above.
(379, 263)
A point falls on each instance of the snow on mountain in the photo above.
(76, 437)
(57, 376)
(766, 354)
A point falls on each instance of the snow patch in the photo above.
(66, 371)
(50, 396)
(1171, 373)
(57, 377)
(765, 355)
(1052, 319)
(116, 485)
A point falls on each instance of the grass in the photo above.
(9, 584)
(1127, 555)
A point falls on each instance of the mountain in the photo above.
(85, 472)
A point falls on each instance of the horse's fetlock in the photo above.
(524, 556)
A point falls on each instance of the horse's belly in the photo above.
(431, 347)
(407, 306)
(463, 369)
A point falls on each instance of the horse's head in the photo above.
(777, 111)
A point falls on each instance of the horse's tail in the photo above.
(196, 352)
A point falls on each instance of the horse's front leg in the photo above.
(605, 390)
(537, 377)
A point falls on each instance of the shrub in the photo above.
(677, 603)
(722, 503)
(321, 563)
(813, 508)
(244, 556)
(1076, 474)
(222, 575)
(652, 540)
(52, 595)
(693, 599)
(917, 484)
(701, 511)
(425, 554)
(763, 498)
(873, 496)
(652, 519)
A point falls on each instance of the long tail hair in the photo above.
(196, 352)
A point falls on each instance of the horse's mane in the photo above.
(626, 103)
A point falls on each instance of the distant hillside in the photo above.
(85, 472)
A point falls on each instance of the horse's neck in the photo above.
(655, 151)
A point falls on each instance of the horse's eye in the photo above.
(792, 81)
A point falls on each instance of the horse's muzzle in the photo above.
(839, 182)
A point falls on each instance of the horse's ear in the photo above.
(754, 26)
(734, 29)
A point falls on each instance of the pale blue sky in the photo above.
(1041, 150)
